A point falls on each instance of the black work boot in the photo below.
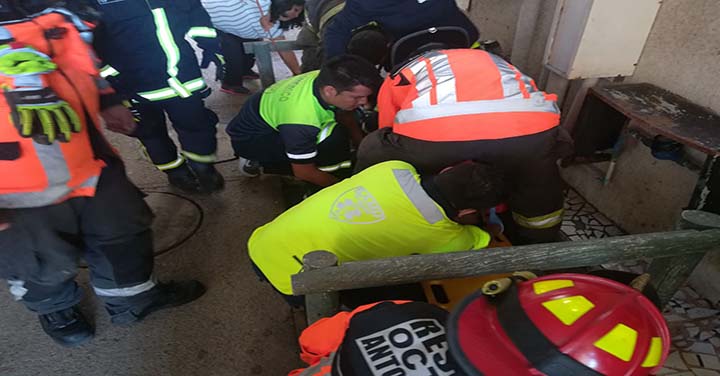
(208, 177)
(163, 295)
(182, 177)
(67, 327)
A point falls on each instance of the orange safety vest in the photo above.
(320, 341)
(464, 95)
(47, 174)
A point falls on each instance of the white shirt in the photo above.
(241, 18)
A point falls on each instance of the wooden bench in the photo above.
(649, 111)
(698, 233)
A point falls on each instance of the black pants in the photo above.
(312, 50)
(238, 63)
(268, 149)
(111, 231)
(528, 163)
(194, 124)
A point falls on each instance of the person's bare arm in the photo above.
(289, 58)
(311, 174)
(291, 61)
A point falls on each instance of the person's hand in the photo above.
(265, 22)
(118, 118)
(4, 226)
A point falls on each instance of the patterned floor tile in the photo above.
(583, 221)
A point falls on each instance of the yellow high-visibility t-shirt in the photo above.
(381, 212)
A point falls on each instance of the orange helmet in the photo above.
(561, 324)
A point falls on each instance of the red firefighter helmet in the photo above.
(561, 324)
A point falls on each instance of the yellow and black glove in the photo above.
(35, 109)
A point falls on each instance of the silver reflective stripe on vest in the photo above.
(423, 85)
(58, 175)
(508, 78)
(315, 369)
(416, 194)
(126, 291)
(536, 103)
(445, 79)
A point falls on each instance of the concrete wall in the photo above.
(683, 51)
(496, 19)
(525, 22)
(682, 55)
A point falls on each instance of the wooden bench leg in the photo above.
(323, 304)
(265, 65)
(670, 274)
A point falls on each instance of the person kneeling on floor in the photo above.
(291, 127)
(385, 211)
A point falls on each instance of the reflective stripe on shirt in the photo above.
(417, 195)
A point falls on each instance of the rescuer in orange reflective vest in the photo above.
(556, 325)
(64, 193)
(448, 105)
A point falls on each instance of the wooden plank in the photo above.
(412, 269)
(664, 113)
(278, 45)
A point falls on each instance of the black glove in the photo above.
(217, 59)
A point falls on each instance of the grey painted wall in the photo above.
(683, 51)
(496, 19)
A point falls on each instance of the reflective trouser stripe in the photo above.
(321, 368)
(126, 291)
(417, 196)
(108, 71)
(174, 164)
(17, 288)
(201, 31)
(540, 222)
(335, 167)
(210, 158)
(167, 93)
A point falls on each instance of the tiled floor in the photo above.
(694, 322)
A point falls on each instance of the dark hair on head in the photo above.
(344, 72)
(471, 185)
(278, 7)
(372, 44)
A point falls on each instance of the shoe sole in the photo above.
(76, 343)
(226, 91)
(124, 320)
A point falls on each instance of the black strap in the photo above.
(537, 349)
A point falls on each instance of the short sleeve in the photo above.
(300, 142)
